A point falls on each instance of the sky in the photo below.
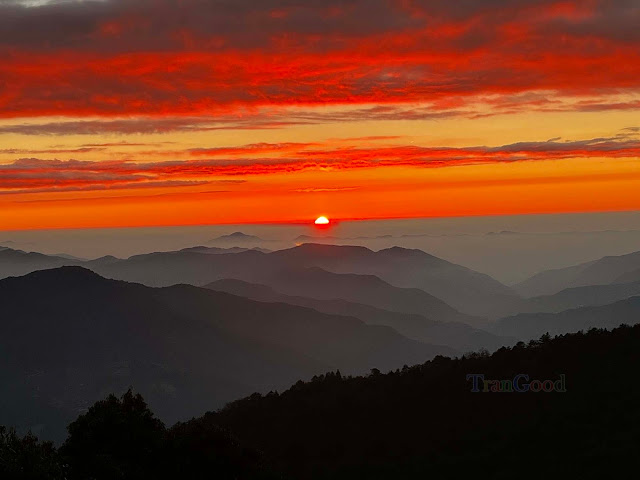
(115, 113)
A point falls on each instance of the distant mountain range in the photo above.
(17, 262)
(631, 276)
(575, 297)
(612, 269)
(570, 298)
(236, 238)
(532, 325)
(454, 334)
(314, 282)
(218, 250)
(68, 336)
(455, 293)
(292, 272)
(463, 289)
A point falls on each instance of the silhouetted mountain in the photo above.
(532, 325)
(202, 265)
(106, 260)
(311, 239)
(217, 250)
(458, 286)
(193, 268)
(68, 257)
(160, 269)
(459, 336)
(236, 238)
(317, 283)
(329, 238)
(464, 289)
(67, 336)
(591, 295)
(629, 277)
(597, 272)
(7, 244)
(424, 421)
(17, 262)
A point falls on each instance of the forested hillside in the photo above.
(418, 422)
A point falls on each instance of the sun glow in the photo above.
(322, 221)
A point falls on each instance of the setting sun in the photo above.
(322, 221)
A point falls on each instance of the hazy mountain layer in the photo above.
(532, 325)
(458, 286)
(16, 262)
(465, 290)
(610, 269)
(457, 335)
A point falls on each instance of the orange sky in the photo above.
(136, 114)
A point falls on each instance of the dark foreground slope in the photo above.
(69, 336)
(424, 422)
(421, 422)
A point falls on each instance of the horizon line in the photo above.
(334, 221)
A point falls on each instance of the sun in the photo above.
(322, 221)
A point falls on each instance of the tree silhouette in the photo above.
(121, 438)
(199, 448)
(27, 458)
(116, 438)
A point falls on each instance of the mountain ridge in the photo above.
(184, 347)
(608, 269)
(532, 325)
(458, 335)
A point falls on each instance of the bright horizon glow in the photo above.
(322, 221)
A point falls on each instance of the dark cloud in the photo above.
(52, 151)
(209, 57)
(249, 120)
(150, 25)
(142, 126)
(96, 187)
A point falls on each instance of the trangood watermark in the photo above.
(520, 383)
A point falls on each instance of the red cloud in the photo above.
(30, 174)
(159, 58)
